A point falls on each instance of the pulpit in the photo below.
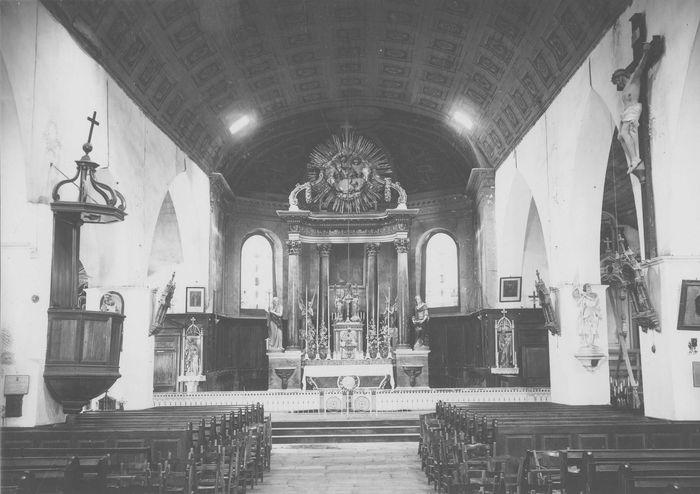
(83, 347)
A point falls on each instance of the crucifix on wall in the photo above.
(632, 83)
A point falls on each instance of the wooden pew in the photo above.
(658, 477)
(597, 469)
(29, 475)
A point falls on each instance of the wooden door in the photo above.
(165, 363)
(535, 365)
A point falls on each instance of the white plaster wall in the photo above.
(562, 159)
(54, 86)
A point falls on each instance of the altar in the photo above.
(343, 320)
(349, 375)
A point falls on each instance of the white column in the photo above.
(584, 380)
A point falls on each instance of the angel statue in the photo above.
(274, 326)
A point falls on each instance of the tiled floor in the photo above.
(351, 468)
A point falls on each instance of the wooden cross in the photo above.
(534, 298)
(93, 121)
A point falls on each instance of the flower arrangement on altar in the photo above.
(378, 344)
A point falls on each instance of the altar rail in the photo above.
(384, 400)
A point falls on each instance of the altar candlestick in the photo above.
(306, 331)
(318, 318)
(367, 318)
(328, 314)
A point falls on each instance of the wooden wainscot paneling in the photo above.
(630, 441)
(237, 358)
(593, 441)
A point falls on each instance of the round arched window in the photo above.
(441, 272)
(256, 272)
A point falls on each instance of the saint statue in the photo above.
(589, 314)
(274, 326)
(339, 297)
(628, 84)
(192, 358)
(419, 321)
(505, 349)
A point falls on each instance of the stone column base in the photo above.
(412, 368)
(284, 370)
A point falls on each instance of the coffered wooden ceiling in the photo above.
(392, 69)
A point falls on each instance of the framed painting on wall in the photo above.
(689, 309)
(511, 288)
(194, 299)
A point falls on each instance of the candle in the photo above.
(318, 326)
(306, 329)
(367, 318)
(328, 329)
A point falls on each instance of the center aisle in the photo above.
(345, 468)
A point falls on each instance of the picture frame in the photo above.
(689, 308)
(194, 299)
(510, 289)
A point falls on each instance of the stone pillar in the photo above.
(293, 287)
(402, 301)
(372, 250)
(480, 189)
(580, 374)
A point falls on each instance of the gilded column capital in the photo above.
(401, 245)
(372, 249)
(294, 247)
(324, 250)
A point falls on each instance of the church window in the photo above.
(441, 271)
(256, 272)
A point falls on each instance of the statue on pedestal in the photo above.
(274, 326)
(589, 314)
(419, 321)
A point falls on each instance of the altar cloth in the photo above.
(383, 370)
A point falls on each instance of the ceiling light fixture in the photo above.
(463, 119)
(240, 124)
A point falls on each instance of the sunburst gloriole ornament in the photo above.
(347, 174)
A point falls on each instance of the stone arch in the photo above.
(534, 252)
(587, 180)
(166, 245)
(514, 225)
